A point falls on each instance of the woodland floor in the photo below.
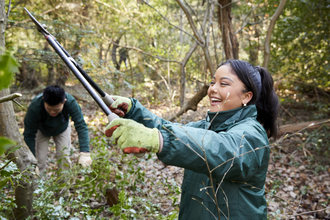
(298, 180)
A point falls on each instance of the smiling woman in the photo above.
(227, 91)
(225, 156)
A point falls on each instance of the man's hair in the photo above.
(54, 95)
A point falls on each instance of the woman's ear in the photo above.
(246, 97)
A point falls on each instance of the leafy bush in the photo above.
(80, 193)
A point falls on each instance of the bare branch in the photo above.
(183, 73)
(249, 23)
(9, 4)
(253, 8)
(303, 213)
(204, 207)
(141, 51)
(185, 9)
(109, 6)
(173, 24)
(269, 32)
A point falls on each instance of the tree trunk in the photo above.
(8, 128)
(26, 78)
(50, 67)
(24, 157)
(229, 38)
(114, 53)
(254, 43)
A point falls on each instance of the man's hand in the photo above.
(121, 105)
(133, 137)
(85, 159)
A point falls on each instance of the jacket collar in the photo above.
(223, 120)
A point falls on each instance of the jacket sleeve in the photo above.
(236, 154)
(80, 125)
(142, 115)
(233, 155)
(31, 124)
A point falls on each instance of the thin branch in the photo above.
(205, 207)
(185, 9)
(269, 32)
(215, 46)
(8, 9)
(253, 8)
(161, 76)
(312, 211)
(184, 143)
(141, 51)
(105, 4)
(249, 23)
(3, 167)
(173, 24)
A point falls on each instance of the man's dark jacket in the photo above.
(37, 118)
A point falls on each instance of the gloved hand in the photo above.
(133, 137)
(85, 159)
(121, 105)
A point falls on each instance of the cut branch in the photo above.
(292, 128)
(10, 97)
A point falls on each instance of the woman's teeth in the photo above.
(215, 100)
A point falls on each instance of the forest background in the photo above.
(164, 53)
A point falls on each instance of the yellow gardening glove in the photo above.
(133, 137)
(85, 159)
(121, 105)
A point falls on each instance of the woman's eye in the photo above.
(224, 84)
(212, 83)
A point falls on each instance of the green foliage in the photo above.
(8, 66)
(71, 194)
(7, 202)
(299, 44)
(5, 144)
(318, 141)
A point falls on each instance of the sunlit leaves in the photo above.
(301, 41)
(8, 66)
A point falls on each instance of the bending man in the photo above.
(49, 115)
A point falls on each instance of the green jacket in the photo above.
(232, 134)
(37, 118)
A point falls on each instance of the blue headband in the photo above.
(256, 78)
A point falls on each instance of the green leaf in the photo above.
(12, 150)
(8, 66)
(5, 173)
(5, 144)
(4, 182)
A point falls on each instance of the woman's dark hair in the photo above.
(259, 81)
(54, 95)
